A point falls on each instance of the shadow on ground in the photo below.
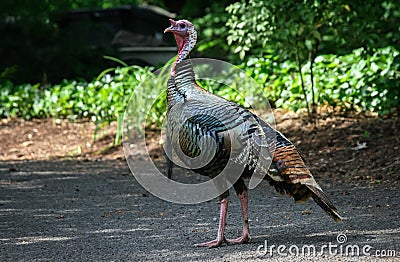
(95, 210)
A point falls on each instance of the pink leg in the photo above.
(221, 228)
(244, 197)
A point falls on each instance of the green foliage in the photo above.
(358, 81)
(259, 26)
(101, 100)
(286, 27)
(212, 33)
(147, 107)
(302, 36)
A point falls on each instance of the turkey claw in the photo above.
(211, 244)
(239, 240)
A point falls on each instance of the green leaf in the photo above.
(317, 35)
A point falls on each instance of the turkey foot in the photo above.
(213, 243)
(240, 240)
(221, 228)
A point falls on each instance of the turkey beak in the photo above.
(170, 29)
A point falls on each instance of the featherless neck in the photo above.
(183, 52)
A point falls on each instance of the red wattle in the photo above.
(179, 42)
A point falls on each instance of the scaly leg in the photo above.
(245, 237)
(221, 228)
(168, 152)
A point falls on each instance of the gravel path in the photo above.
(96, 211)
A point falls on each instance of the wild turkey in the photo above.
(193, 114)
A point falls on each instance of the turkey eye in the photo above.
(182, 26)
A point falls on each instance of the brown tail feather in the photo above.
(322, 200)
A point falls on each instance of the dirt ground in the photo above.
(356, 148)
(66, 196)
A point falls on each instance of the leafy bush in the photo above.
(103, 99)
(212, 34)
(300, 27)
(359, 81)
(295, 33)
